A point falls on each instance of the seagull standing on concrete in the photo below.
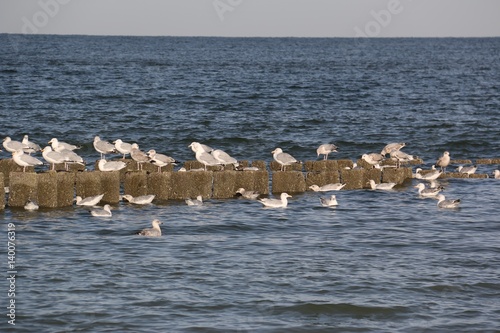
(283, 159)
(24, 160)
(443, 161)
(103, 147)
(326, 149)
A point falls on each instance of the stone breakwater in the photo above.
(55, 189)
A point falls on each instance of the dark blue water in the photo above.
(378, 262)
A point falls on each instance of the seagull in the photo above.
(428, 192)
(12, 146)
(444, 203)
(140, 200)
(224, 158)
(138, 156)
(329, 202)
(469, 170)
(327, 187)
(201, 146)
(71, 157)
(443, 161)
(24, 160)
(102, 212)
(155, 231)
(160, 160)
(401, 156)
(88, 201)
(31, 205)
(392, 147)
(432, 175)
(283, 159)
(104, 165)
(326, 149)
(496, 174)
(122, 147)
(195, 202)
(60, 145)
(381, 186)
(53, 157)
(276, 203)
(202, 156)
(30, 147)
(373, 158)
(103, 147)
(247, 194)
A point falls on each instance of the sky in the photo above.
(254, 18)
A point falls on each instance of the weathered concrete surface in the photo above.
(191, 184)
(226, 183)
(460, 162)
(88, 184)
(47, 189)
(259, 164)
(72, 167)
(65, 188)
(463, 175)
(318, 166)
(2, 191)
(396, 175)
(288, 181)
(110, 183)
(136, 183)
(322, 178)
(8, 165)
(23, 187)
(275, 166)
(488, 161)
(190, 165)
(160, 184)
(358, 178)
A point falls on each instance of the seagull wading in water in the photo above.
(283, 159)
(329, 202)
(444, 203)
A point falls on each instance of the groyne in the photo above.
(58, 188)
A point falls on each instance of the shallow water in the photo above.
(380, 261)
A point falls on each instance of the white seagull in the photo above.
(105, 166)
(155, 231)
(496, 174)
(276, 203)
(444, 203)
(103, 147)
(329, 202)
(24, 160)
(327, 187)
(432, 175)
(31, 205)
(160, 160)
(373, 158)
(443, 161)
(60, 145)
(139, 156)
(12, 146)
(31, 147)
(202, 156)
(122, 147)
(102, 212)
(428, 192)
(283, 159)
(381, 186)
(391, 147)
(247, 194)
(88, 201)
(224, 158)
(195, 202)
(401, 156)
(201, 146)
(326, 149)
(469, 170)
(140, 200)
(53, 157)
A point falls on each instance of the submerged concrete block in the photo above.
(2, 191)
(225, 184)
(484, 161)
(322, 178)
(23, 187)
(318, 166)
(110, 184)
(396, 175)
(160, 184)
(136, 183)
(288, 181)
(191, 184)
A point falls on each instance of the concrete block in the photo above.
(190, 165)
(72, 167)
(260, 164)
(363, 164)
(484, 161)
(23, 187)
(225, 184)
(2, 191)
(8, 165)
(110, 183)
(65, 188)
(160, 184)
(88, 184)
(342, 164)
(136, 183)
(356, 179)
(47, 189)
(459, 162)
(288, 181)
(321, 166)
(191, 184)
(275, 166)
(322, 178)
(396, 175)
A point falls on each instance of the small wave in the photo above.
(343, 309)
